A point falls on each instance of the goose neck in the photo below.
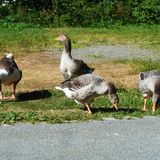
(67, 47)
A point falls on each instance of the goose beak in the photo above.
(57, 39)
(116, 104)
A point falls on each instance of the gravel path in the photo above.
(137, 139)
(111, 52)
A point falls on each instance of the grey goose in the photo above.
(149, 85)
(83, 89)
(70, 67)
(10, 74)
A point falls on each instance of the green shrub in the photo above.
(82, 13)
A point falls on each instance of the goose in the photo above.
(83, 89)
(150, 73)
(70, 67)
(9, 73)
(150, 87)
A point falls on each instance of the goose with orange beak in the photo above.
(150, 87)
(85, 88)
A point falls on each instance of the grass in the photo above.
(139, 65)
(22, 38)
(53, 107)
(37, 101)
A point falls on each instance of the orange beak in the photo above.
(116, 104)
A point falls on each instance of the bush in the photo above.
(81, 13)
(128, 11)
(147, 12)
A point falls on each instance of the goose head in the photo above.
(62, 38)
(141, 76)
(144, 75)
(115, 100)
(67, 42)
(9, 56)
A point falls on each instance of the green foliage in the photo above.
(127, 11)
(147, 11)
(80, 13)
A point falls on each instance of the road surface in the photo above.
(137, 139)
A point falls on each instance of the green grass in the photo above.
(139, 65)
(23, 38)
(53, 107)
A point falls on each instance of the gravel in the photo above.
(100, 52)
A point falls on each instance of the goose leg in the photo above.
(1, 97)
(154, 101)
(14, 91)
(154, 107)
(87, 106)
(145, 104)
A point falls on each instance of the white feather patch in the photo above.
(3, 73)
(68, 93)
(77, 102)
(9, 55)
(69, 73)
(7, 78)
(59, 88)
(145, 95)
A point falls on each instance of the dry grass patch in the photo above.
(41, 71)
(38, 101)
(119, 73)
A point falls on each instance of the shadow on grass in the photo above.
(34, 95)
(109, 110)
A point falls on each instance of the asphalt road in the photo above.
(137, 139)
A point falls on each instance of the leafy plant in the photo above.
(80, 13)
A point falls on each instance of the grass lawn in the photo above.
(21, 38)
(52, 106)
(38, 101)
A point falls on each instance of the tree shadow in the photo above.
(110, 110)
(33, 95)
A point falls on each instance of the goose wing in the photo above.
(8, 64)
(78, 82)
(82, 67)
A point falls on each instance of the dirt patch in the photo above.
(41, 71)
(120, 74)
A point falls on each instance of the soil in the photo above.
(41, 70)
